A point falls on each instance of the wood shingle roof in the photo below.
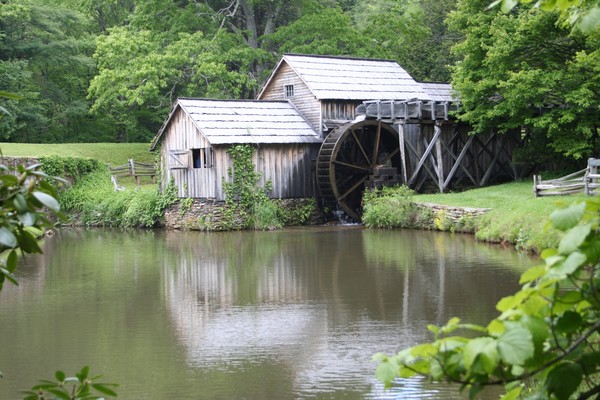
(244, 121)
(344, 78)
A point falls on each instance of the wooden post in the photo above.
(440, 160)
(402, 151)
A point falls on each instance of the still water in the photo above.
(293, 314)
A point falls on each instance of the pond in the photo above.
(292, 314)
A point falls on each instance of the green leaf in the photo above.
(387, 370)
(60, 376)
(103, 388)
(515, 346)
(7, 238)
(11, 261)
(566, 218)
(569, 322)
(569, 265)
(6, 274)
(574, 238)
(496, 328)
(28, 218)
(532, 274)
(59, 393)
(564, 380)
(485, 350)
(512, 394)
(47, 200)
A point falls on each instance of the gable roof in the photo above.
(438, 91)
(345, 78)
(244, 121)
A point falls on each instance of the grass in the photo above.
(516, 215)
(109, 153)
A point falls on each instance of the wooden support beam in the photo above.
(402, 153)
(425, 155)
(427, 169)
(490, 169)
(458, 163)
(440, 160)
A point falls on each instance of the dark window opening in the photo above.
(202, 158)
(288, 91)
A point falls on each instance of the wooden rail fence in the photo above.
(585, 181)
(135, 169)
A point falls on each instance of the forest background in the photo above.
(110, 70)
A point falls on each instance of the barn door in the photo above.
(178, 159)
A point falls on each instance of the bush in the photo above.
(390, 207)
(93, 202)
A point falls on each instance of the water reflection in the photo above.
(256, 315)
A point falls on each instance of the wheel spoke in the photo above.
(362, 150)
(376, 144)
(353, 188)
(352, 166)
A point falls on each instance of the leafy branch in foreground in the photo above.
(78, 387)
(549, 330)
(24, 194)
(26, 199)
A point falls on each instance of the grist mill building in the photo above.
(331, 127)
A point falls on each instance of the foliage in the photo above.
(524, 69)
(45, 56)
(296, 214)
(24, 194)
(548, 330)
(389, 207)
(78, 387)
(244, 198)
(68, 167)
(583, 15)
(92, 201)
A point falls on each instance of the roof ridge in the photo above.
(340, 57)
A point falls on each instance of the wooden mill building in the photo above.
(327, 90)
(196, 135)
(331, 127)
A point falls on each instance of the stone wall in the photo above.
(211, 215)
(448, 218)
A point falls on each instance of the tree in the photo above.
(548, 330)
(525, 70)
(327, 31)
(583, 15)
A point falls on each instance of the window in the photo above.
(202, 158)
(288, 91)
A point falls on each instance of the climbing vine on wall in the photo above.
(243, 195)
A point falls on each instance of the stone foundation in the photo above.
(213, 215)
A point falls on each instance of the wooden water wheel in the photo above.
(354, 156)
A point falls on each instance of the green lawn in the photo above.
(516, 215)
(109, 153)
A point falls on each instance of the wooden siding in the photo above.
(289, 167)
(303, 99)
(338, 111)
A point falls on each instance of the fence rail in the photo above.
(135, 169)
(585, 181)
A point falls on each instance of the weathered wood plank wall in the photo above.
(303, 98)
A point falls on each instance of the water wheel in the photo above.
(354, 156)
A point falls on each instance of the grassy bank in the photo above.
(108, 153)
(516, 215)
